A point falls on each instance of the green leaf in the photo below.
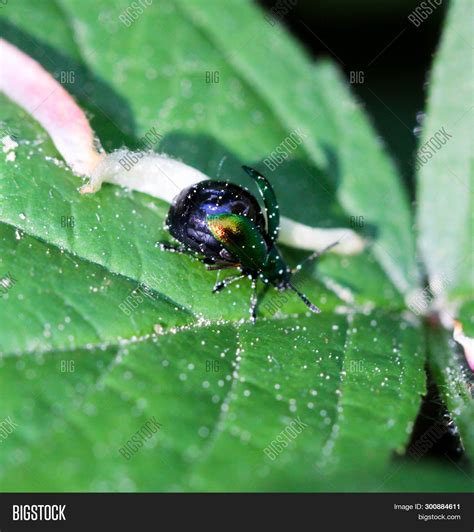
(328, 373)
(446, 175)
(445, 207)
(454, 380)
(58, 302)
(221, 389)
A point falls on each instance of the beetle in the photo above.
(222, 224)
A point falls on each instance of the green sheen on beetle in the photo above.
(224, 226)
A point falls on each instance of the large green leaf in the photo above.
(215, 425)
(445, 206)
(352, 381)
(353, 375)
(446, 174)
(65, 308)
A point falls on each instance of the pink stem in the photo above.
(28, 84)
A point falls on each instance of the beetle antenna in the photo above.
(314, 256)
(306, 301)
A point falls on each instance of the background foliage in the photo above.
(354, 375)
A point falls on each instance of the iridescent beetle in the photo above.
(223, 225)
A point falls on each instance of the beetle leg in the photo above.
(186, 251)
(315, 255)
(306, 301)
(253, 301)
(221, 266)
(226, 282)
(172, 249)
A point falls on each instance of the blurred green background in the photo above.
(395, 56)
